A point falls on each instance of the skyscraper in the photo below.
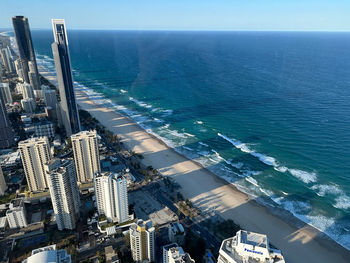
(5, 93)
(3, 186)
(35, 152)
(7, 61)
(6, 133)
(86, 155)
(61, 56)
(111, 196)
(25, 47)
(64, 192)
(142, 241)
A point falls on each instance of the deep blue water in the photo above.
(269, 112)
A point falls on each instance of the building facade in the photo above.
(6, 133)
(112, 196)
(5, 93)
(16, 214)
(70, 115)
(86, 155)
(3, 186)
(64, 192)
(25, 47)
(176, 233)
(28, 105)
(7, 60)
(35, 153)
(142, 241)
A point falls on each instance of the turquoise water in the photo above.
(269, 112)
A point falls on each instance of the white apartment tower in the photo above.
(16, 214)
(112, 196)
(175, 254)
(28, 91)
(3, 186)
(35, 152)
(142, 241)
(64, 192)
(86, 155)
(248, 247)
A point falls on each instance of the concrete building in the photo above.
(35, 152)
(142, 241)
(3, 186)
(16, 214)
(176, 233)
(33, 77)
(112, 196)
(60, 50)
(48, 254)
(7, 60)
(248, 247)
(50, 98)
(86, 155)
(27, 91)
(28, 105)
(5, 93)
(6, 133)
(19, 70)
(25, 47)
(64, 192)
(175, 254)
(44, 129)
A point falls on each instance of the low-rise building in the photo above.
(248, 247)
(16, 214)
(176, 254)
(44, 128)
(176, 233)
(48, 254)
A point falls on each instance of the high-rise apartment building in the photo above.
(35, 152)
(25, 47)
(112, 196)
(16, 214)
(28, 105)
(142, 241)
(3, 186)
(86, 155)
(64, 192)
(70, 115)
(6, 133)
(27, 91)
(33, 77)
(5, 93)
(248, 247)
(48, 254)
(7, 59)
(50, 98)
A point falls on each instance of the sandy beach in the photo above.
(298, 241)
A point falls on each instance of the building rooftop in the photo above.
(16, 203)
(179, 256)
(177, 228)
(249, 247)
(48, 254)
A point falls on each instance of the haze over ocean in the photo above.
(268, 111)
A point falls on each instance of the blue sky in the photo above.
(330, 15)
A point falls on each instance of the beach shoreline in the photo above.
(298, 241)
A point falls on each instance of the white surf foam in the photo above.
(306, 177)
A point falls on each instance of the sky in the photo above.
(260, 15)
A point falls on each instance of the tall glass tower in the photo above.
(26, 50)
(70, 116)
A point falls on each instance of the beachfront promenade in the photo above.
(209, 192)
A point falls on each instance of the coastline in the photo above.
(298, 241)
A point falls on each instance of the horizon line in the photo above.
(191, 30)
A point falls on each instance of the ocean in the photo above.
(267, 111)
